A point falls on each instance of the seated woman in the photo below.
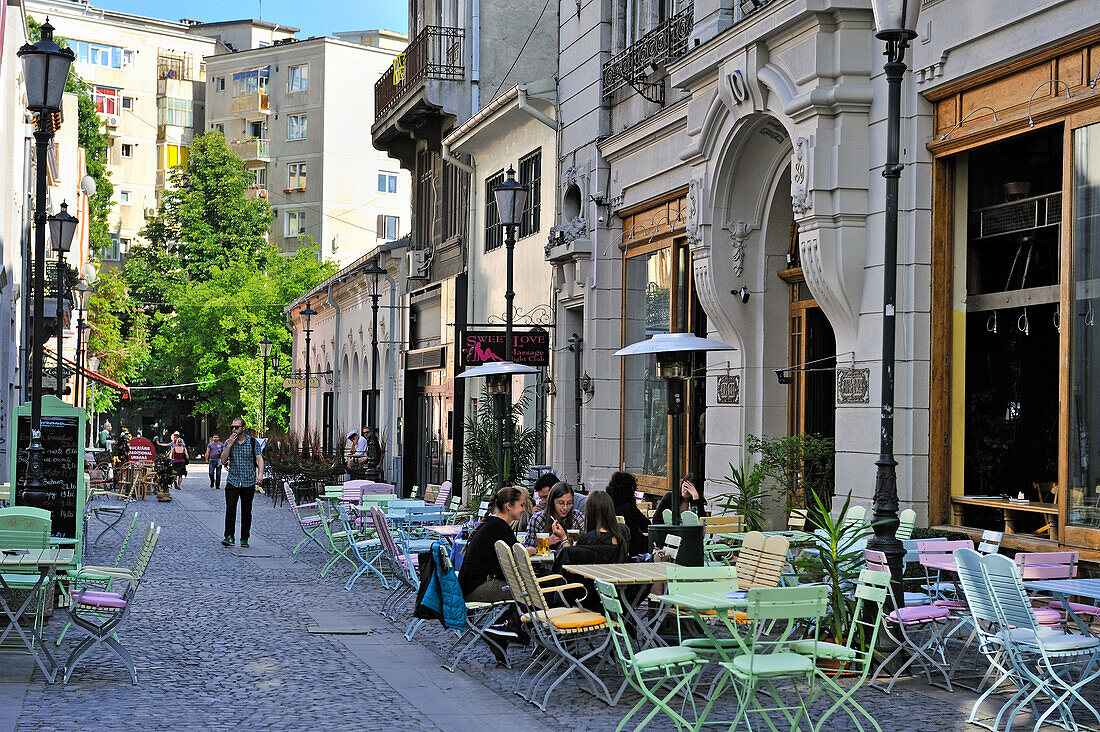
(557, 518)
(604, 541)
(621, 490)
(691, 498)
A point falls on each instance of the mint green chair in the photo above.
(658, 674)
(766, 660)
(857, 653)
(702, 579)
(689, 518)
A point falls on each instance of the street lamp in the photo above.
(265, 352)
(45, 71)
(374, 449)
(62, 229)
(83, 294)
(511, 199)
(896, 22)
(306, 314)
(498, 382)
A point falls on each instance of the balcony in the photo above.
(251, 104)
(435, 53)
(254, 192)
(252, 150)
(650, 54)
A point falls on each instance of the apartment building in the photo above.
(291, 110)
(147, 78)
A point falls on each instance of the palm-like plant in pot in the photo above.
(749, 493)
(835, 559)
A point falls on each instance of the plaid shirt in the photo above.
(242, 465)
(541, 523)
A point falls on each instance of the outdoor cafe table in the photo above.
(447, 531)
(1063, 589)
(639, 576)
(43, 560)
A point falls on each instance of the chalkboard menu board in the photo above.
(61, 462)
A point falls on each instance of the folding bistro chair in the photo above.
(99, 614)
(658, 674)
(339, 540)
(907, 521)
(479, 617)
(309, 523)
(398, 563)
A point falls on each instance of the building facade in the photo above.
(147, 78)
(288, 110)
(461, 57)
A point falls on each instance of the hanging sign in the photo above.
(529, 347)
(729, 389)
(299, 382)
(141, 450)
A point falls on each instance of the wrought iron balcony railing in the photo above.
(667, 42)
(435, 53)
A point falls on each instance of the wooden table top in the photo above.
(631, 573)
(36, 557)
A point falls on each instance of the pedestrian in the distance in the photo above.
(214, 460)
(180, 458)
(246, 466)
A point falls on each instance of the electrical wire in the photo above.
(173, 386)
(520, 54)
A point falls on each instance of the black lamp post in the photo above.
(511, 200)
(374, 448)
(83, 292)
(45, 71)
(306, 314)
(62, 229)
(265, 352)
(895, 21)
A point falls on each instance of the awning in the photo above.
(95, 375)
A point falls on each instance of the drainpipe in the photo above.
(475, 56)
(335, 371)
(525, 106)
(458, 163)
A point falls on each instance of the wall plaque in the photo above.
(729, 389)
(853, 386)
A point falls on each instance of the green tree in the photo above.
(204, 219)
(118, 337)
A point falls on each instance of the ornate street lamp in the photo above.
(374, 449)
(83, 293)
(498, 382)
(45, 71)
(265, 352)
(674, 352)
(62, 229)
(896, 22)
(511, 201)
(307, 313)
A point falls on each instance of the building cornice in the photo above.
(664, 124)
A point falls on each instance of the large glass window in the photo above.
(176, 112)
(251, 82)
(97, 54)
(1084, 397)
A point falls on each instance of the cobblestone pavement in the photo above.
(252, 639)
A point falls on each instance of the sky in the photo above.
(317, 18)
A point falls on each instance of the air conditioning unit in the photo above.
(150, 213)
(111, 120)
(418, 264)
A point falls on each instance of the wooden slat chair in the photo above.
(98, 614)
(796, 519)
(443, 495)
(431, 490)
(907, 521)
(570, 640)
(25, 527)
(854, 516)
(716, 550)
(761, 560)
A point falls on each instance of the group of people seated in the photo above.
(607, 526)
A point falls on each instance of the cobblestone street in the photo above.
(252, 639)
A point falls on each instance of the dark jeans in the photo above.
(245, 494)
(215, 474)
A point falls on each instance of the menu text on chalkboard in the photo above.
(61, 460)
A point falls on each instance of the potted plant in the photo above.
(482, 460)
(834, 559)
(747, 498)
(801, 466)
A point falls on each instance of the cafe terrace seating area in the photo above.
(791, 629)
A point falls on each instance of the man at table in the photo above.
(242, 453)
(357, 444)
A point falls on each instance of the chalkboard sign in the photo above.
(62, 463)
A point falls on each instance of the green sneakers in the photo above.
(244, 543)
(228, 541)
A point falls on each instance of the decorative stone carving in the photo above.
(567, 233)
(693, 222)
(853, 386)
(739, 235)
(801, 202)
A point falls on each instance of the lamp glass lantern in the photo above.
(895, 15)
(265, 348)
(62, 230)
(83, 293)
(306, 314)
(511, 198)
(45, 70)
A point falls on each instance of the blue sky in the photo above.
(317, 18)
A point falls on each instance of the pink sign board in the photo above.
(141, 450)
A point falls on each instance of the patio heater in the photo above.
(62, 229)
(895, 21)
(374, 449)
(45, 71)
(674, 353)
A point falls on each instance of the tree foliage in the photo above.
(119, 335)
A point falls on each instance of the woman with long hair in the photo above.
(601, 526)
(481, 577)
(690, 495)
(621, 490)
(557, 518)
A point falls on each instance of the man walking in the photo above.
(214, 460)
(246, 468)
